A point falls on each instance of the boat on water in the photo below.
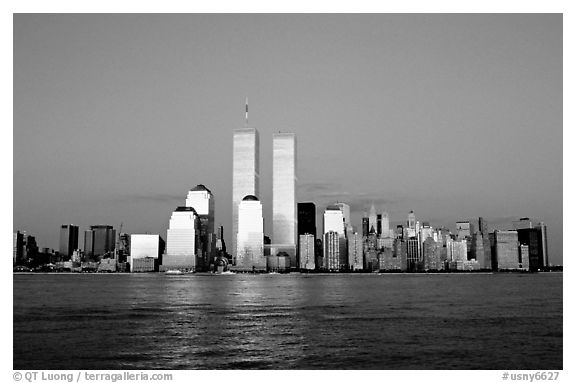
(227, 272)
(173, 272)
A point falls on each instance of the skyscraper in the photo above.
(334, 222)
(345, 208)
(68, 240)
(250, 236)
(365, 225)
(182, 240)
(307, 251)
(385, 224)
(101, 239)
(372, 220)
(245, 170)
(411, 220)
(88, 244)
(284, 214)
(202, 200)
(332, 246)
(306, 218)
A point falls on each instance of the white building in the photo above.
(372, 220)
(182, 239)
(144, 246)
(245, 171)
(250, 236)
(334, 220)
(202, 200)
(284, 211)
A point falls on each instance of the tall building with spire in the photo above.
(372, 220)
(284, 212)
(245, 170)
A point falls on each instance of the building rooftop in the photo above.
(185, 208)
(250, 198)
(200, 187)
(333, 207)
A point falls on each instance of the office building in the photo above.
(307, 218)
(183, 237)
(482, 226)
(536, 239)
(480, 253)
(245, 172)
(202, 200)
(345, 208)
(68, 240)
(334, 220)
(365, 225)
(522, 223)
(307, 245)
(432, 255)
(250, 236)
(19, 249)
(333, 242)
(355, 250)
(146, 252)
(411, 220)
(524, 257)
(284, 213)
(373, 220)
(506, 249)
(385, 225)
(88, 244)
(413, 254)
(99, 242)
(464, 229)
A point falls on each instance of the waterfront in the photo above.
(364, 321)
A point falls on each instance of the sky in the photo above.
(453, 116)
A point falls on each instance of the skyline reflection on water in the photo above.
(338, 321)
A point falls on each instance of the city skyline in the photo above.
(388, 159)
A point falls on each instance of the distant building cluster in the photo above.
(194, 244)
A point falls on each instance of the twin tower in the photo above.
(247, 219)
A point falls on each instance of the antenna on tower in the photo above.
(246, 111)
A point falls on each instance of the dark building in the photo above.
(379, 224)
(413, 254)
(365, 226)
(99, 241)
(306, 218)
(318, 253)
(68, 240)
(88, 244)
(19, 249)
(536, 239)
(482, 226)
(400, 232)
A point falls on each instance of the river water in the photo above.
(243, 321)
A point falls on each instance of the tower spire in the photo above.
(246, 111)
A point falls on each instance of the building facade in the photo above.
(307, 245)
(284, 213)
(250, 236)
(68, 240)
(245, 172)
(506, 246)
(182, 240)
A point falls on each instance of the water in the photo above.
(369, 321)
